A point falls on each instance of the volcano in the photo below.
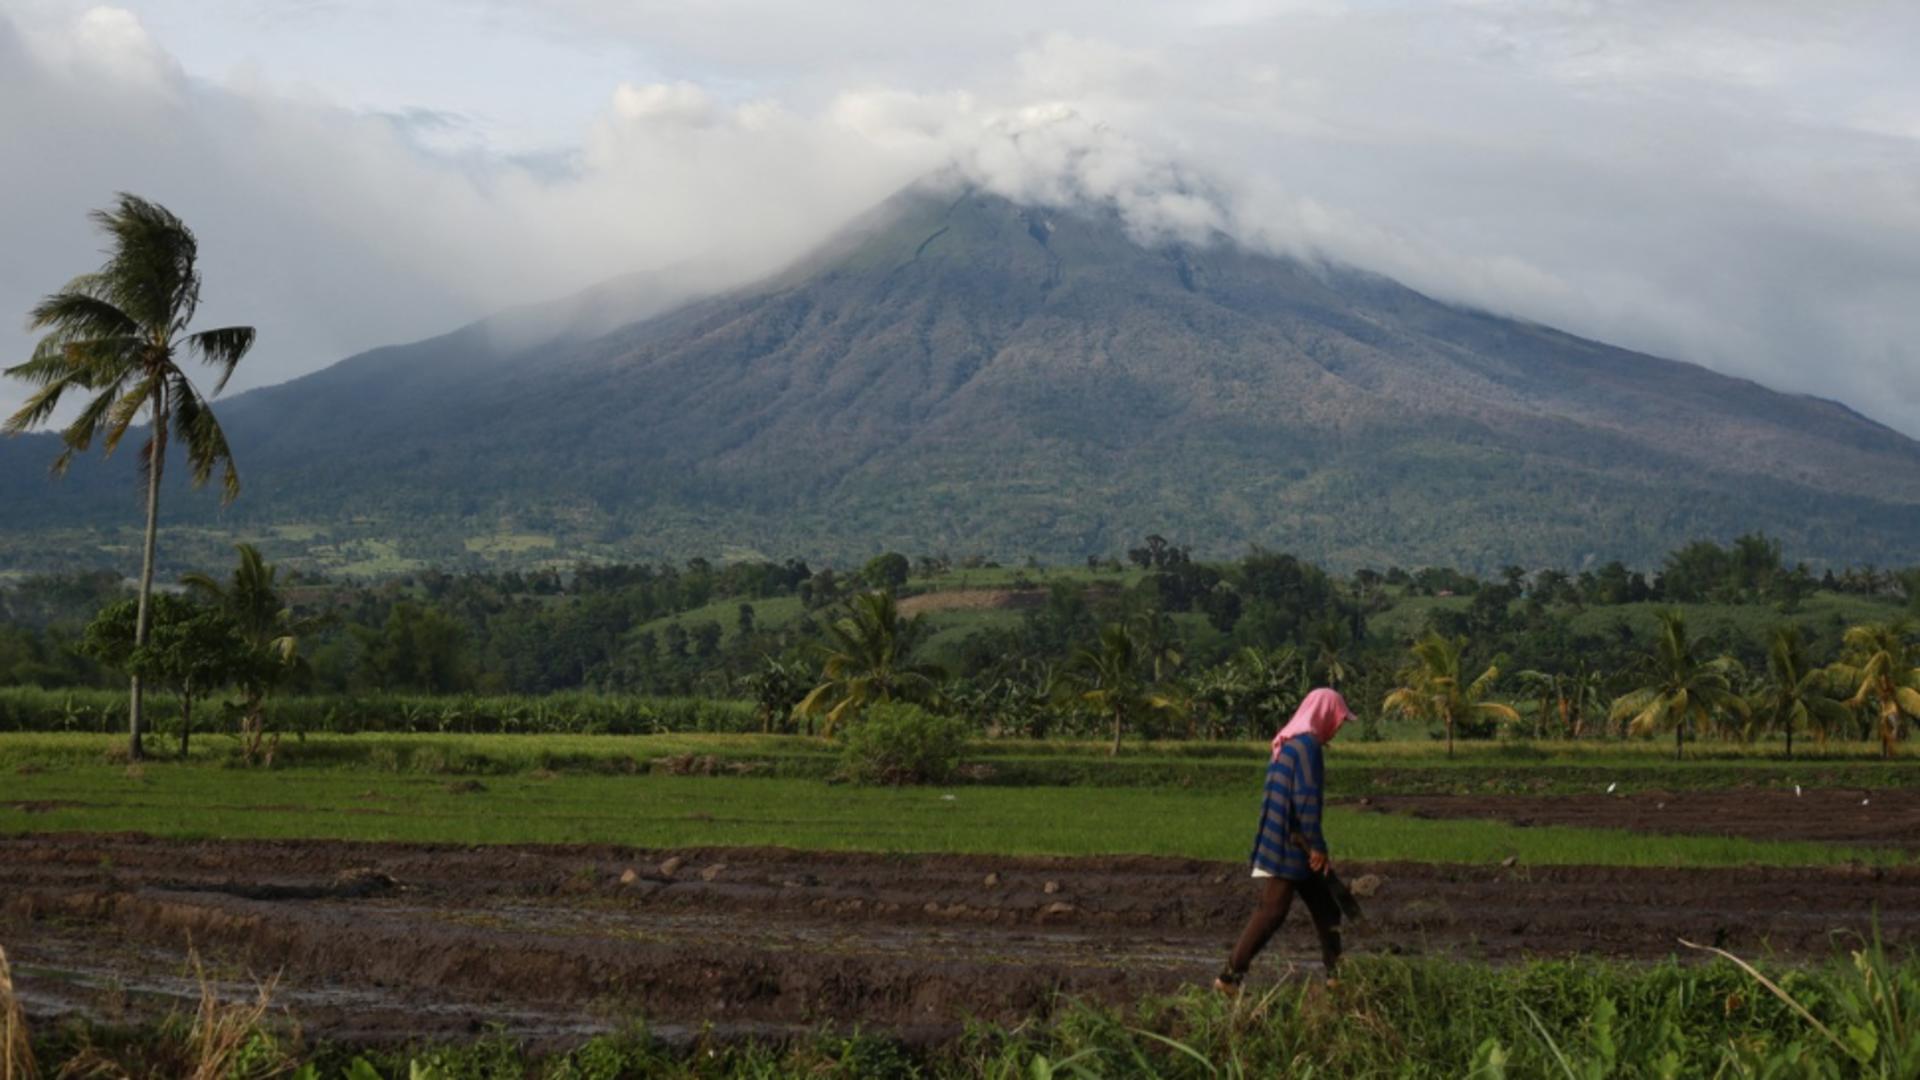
(958, 373)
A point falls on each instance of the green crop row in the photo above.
(103, 711)
(422, 794)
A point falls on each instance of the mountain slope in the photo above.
(959, 373)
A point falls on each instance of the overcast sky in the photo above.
(1736, 184)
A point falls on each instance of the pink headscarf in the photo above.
(1319, 715)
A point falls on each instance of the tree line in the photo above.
(1216, 648)
(1171, 648)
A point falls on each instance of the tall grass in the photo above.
(1408, 1019)
(16, 1050)
(1430, 1018)
(222, 1040)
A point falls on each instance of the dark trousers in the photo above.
(1276, 898)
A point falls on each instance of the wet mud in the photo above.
(385, 943)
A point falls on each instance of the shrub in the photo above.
(902, 744)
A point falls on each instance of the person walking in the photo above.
(1289, 852)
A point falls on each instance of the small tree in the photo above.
(776, 687)
(887, 572)
(1794, 694)
(1682, 687)
(190, 649)
(868, 658)
(1882, 665)
(1564, 697)
(1330, 642)
(1109, 680)
(1157, 640)
(268, 627)
(1434, 690)
(1275, 680)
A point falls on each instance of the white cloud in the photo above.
(669, 103)
(1731, 182)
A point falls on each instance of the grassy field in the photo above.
(1354, 767)
(499, 789)
(769, 613)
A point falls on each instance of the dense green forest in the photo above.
(1219, 646)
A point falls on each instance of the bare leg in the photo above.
(1276, 897)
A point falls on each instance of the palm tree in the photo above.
(1108, 679)
(1435, 690)
(267, 624)
(1882, 664)
(1330, 641)
(1564, 696)
(1549, 696)
(117, 334)
(1158, 639)
(1794, 692)
(1585, 692)
(868, 659)
(1681, 686)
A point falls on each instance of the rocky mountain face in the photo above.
(958, 373)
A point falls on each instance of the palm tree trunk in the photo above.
(1115, 752)
(1679, 730)
(186, 718)
(1789, 738)
(1449, 736)
(143, 614)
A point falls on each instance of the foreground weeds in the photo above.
(220, 1040)
(1390, 1018)
(16, 1049)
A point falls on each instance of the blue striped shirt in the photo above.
(1292, 806)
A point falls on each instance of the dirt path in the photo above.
(384, 942)
(1852, 817)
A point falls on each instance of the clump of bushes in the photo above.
(895, 743)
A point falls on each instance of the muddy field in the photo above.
(1848, 817)
(379, 943)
